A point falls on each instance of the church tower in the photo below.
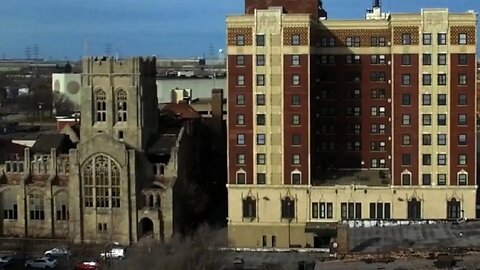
(119, 99)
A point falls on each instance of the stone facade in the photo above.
(117, 183)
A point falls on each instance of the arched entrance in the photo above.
(145, 228)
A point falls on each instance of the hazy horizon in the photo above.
(68, 30)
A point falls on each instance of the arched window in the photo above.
(101, 182)
(249, 207)
(288, 208)
(61, 206)
(150, 200)
(121, 105)
(453, 209)
(36, 206)
(414, 209)
(10, 206)
(101, 106)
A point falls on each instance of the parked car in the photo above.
(43, 263)
(5, 260)
(114, 253)
(58, 252)
(88, 265)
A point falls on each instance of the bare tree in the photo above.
(198, 251)
(62, 104)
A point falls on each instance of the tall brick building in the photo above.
(337, 120)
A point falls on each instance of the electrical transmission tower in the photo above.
(28, 52)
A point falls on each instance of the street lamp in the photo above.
(40, 106)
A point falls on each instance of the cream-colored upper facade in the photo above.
(273, 214)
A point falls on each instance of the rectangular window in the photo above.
(426, 139)
(260, 80)
(441, 159)
(426, 99)
(441, 179)
(462, 99)
(462, 59)
(240, 40)
(379, 210)
(240, 159)
(442, 119)
(260, 40)
(240, 119)
(261, 119)
(315, 210)
(406, 159)
(406, 119)
(295, 139)
(442, 79)
(295, 60)
(261, 178)
(442, 139)
(240, 139)
(295, 79)
(426, 119)
(406, 139)
(260, 60)
(351, 210)
(427, 39)
(462, 179)
(442, 59)
(240, 80)
(462, 79)
(261, 159)
(462, 119)
(427, 79)
(406, 39)
(261, 139)
(462, 159)
(442, 38)
(406, 59)
(296, 100)
(241, 178)
(406, 100)
(426, 59)
(406, 179)
(442, 99)
(295, 39)
(462, 39)
(295, 120)
(240, 99)
(406, 79)
(426, 179)
(426, 159)
(296, 159)
(240, 60)
(260, 99)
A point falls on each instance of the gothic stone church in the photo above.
(116, 183)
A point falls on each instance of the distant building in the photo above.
(337, 121)
(68, 84)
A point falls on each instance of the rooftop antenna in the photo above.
(376, 3)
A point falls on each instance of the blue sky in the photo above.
(166, 28)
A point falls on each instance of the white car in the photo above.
(58, 252)
(5, 260)
(114, 253)
(43, 263)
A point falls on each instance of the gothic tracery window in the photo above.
(101, 182)
(121, 103)
(101, 106)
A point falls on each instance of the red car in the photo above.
(88, 265)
